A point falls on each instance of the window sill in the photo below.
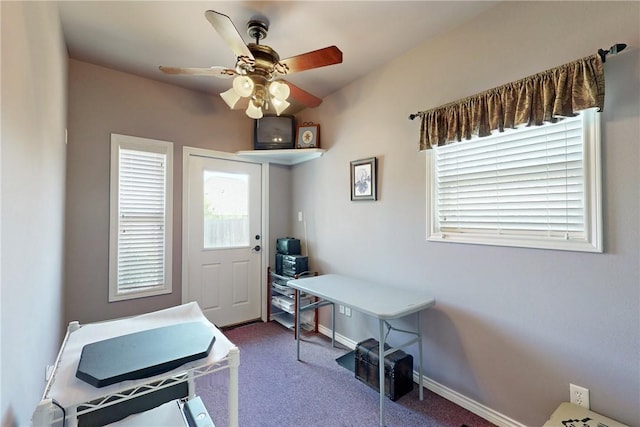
(123, 296)
(518, 242)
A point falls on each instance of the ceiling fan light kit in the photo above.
(280, 105)
(279, 90)
(254, 111)
(243, 86)
(257, 68)
(231, 97)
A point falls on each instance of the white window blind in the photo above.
(140, 217)
(526, 187)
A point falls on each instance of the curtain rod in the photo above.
(613, 50)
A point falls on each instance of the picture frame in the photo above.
(363, 179)
(308, 135)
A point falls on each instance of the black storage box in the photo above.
(398, 369)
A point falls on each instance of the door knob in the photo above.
(256, 248)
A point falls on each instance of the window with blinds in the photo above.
(536, 186)
(140, 253)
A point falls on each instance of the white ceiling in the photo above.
(138, 36)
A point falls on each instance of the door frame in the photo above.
(264, 221)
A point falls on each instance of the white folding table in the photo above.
(384, 302)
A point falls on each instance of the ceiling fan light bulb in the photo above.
(243, 85)
(280, 106)
(253, 111)
(279, 90)
(231, 97)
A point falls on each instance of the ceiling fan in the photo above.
(258, 69)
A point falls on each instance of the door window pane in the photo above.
(226, 210)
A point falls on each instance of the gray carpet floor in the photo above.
(276, 390)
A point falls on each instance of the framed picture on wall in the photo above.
(363, 179)
(308, 135)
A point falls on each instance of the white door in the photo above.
(224, 239)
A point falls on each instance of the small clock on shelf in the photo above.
(308, 135)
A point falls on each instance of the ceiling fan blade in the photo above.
(302, 96)
(315, 59)
(220, 72)
(225, 28)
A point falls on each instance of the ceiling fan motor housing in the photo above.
(265, 60)
(257, 29)
(257, 66)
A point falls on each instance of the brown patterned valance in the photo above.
(560, 91)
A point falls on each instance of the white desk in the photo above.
(383, 302)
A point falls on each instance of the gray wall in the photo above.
(34, 90)
(280, 219)
(102, 101)
(512, 327)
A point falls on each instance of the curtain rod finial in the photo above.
(412, 116)
(616, 48)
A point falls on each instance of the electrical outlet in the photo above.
(579, 395)
(347, 311)
(341, 309)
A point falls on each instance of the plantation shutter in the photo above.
(141, 219)
(529, 182)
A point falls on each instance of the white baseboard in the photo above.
(467, 403)
(349, 343)
(461, 400)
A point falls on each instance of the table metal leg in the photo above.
(298, 324)
(420, 357)
(234, 363)
(381, 371)
(333, 325)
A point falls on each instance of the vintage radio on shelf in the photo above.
(279, 257)
(288, 246)
(294, 264)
